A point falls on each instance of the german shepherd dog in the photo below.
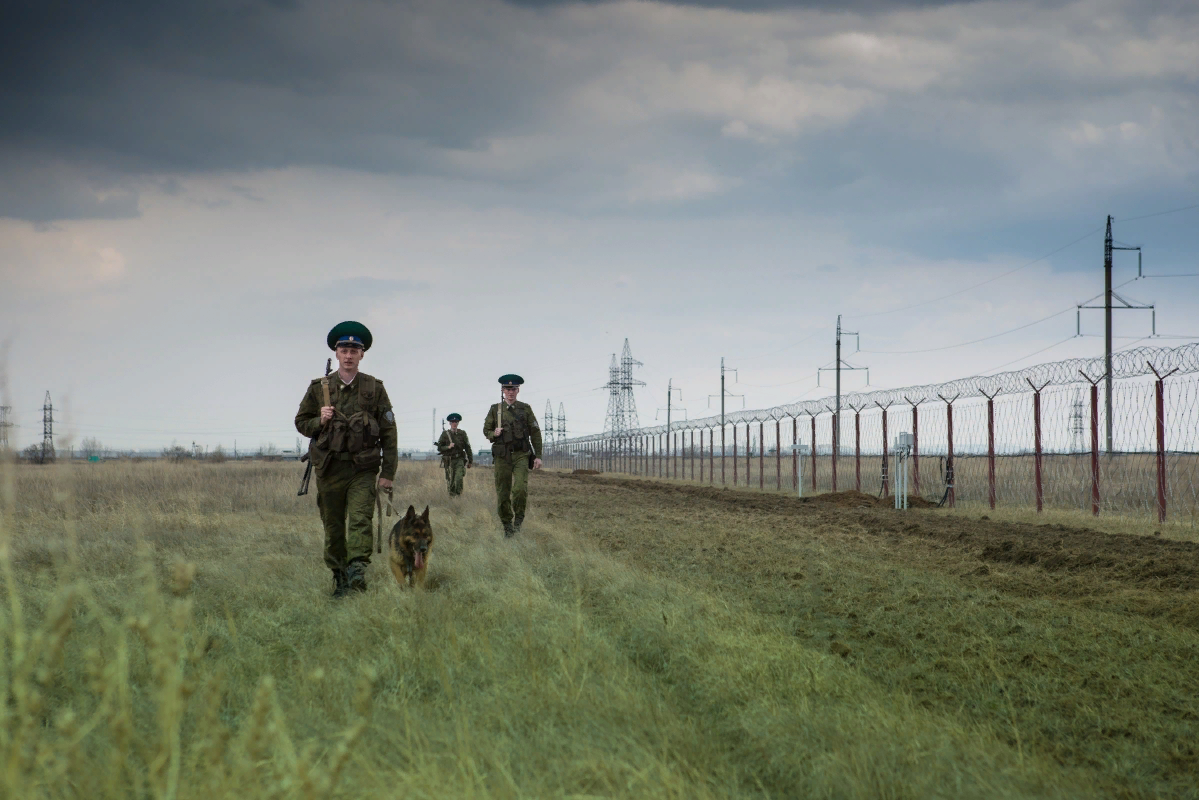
(408, 547)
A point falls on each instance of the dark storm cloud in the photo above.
(588, 106)
(769, 5)
(147, 87)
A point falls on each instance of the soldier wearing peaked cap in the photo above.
(511, 427)
(349, 419)
(454, 447)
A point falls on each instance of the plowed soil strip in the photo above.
(1082, 645)
(1118, 559)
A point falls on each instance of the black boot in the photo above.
(517, 522)
(341, 583)
(356, 575)
(509, 530)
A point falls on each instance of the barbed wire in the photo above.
(1130, 363)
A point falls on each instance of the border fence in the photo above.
(1033, 438)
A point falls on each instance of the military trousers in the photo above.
(346, 498)
(455, 474)
(511, 485)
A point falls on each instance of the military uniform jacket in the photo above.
(363, 428)
(519, 425)
(461, 448)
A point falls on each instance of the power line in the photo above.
(975, 286)
(973, 341)
(777, 385)
(1158, 213)
(1030, 355)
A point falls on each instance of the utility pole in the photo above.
(839, 363)
(847, 333)
(670, 390)
(1107, 330)
(4, 426)
(47, 429)
(1108, 246)
(723, 394)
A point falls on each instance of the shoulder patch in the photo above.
(390, 417)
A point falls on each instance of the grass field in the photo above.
(167, 632)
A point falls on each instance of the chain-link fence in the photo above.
(1036, 438)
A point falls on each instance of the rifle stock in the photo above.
(308, 469)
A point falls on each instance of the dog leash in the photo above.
(379, 501)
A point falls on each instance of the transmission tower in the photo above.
(548, 425)
(622, 406)
(47, 429)
(561, 424)
(4, 426)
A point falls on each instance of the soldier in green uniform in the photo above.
(515, 438)
(352, 428)
(454, 446)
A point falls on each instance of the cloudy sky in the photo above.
(193, 193)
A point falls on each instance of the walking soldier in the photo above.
(353, 450)
(515, 438)
(454, 446)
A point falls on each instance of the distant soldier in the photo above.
(349, 419)
(515, 440)
(454, 446)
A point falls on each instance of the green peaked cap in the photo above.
(352, 333)
(455, 417)
(511, 380)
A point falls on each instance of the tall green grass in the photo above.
(167, 633)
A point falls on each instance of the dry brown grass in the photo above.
(167, 633)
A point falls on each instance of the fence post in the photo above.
(748, 456)
(761, 455)
(949, 490)
(915, 456)
(813, 416)
(734, 454)
(857, 448)
(722, 481)
(795, 453)
(712, 457)
(1094, 443)
(1036, 428)
(674, 456)
(701, 455)
(886, 448)
(1160, 398)
(836, 447)
(778, 454)
(990, 446)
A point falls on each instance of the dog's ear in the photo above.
(411, 513)
(425, 516)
